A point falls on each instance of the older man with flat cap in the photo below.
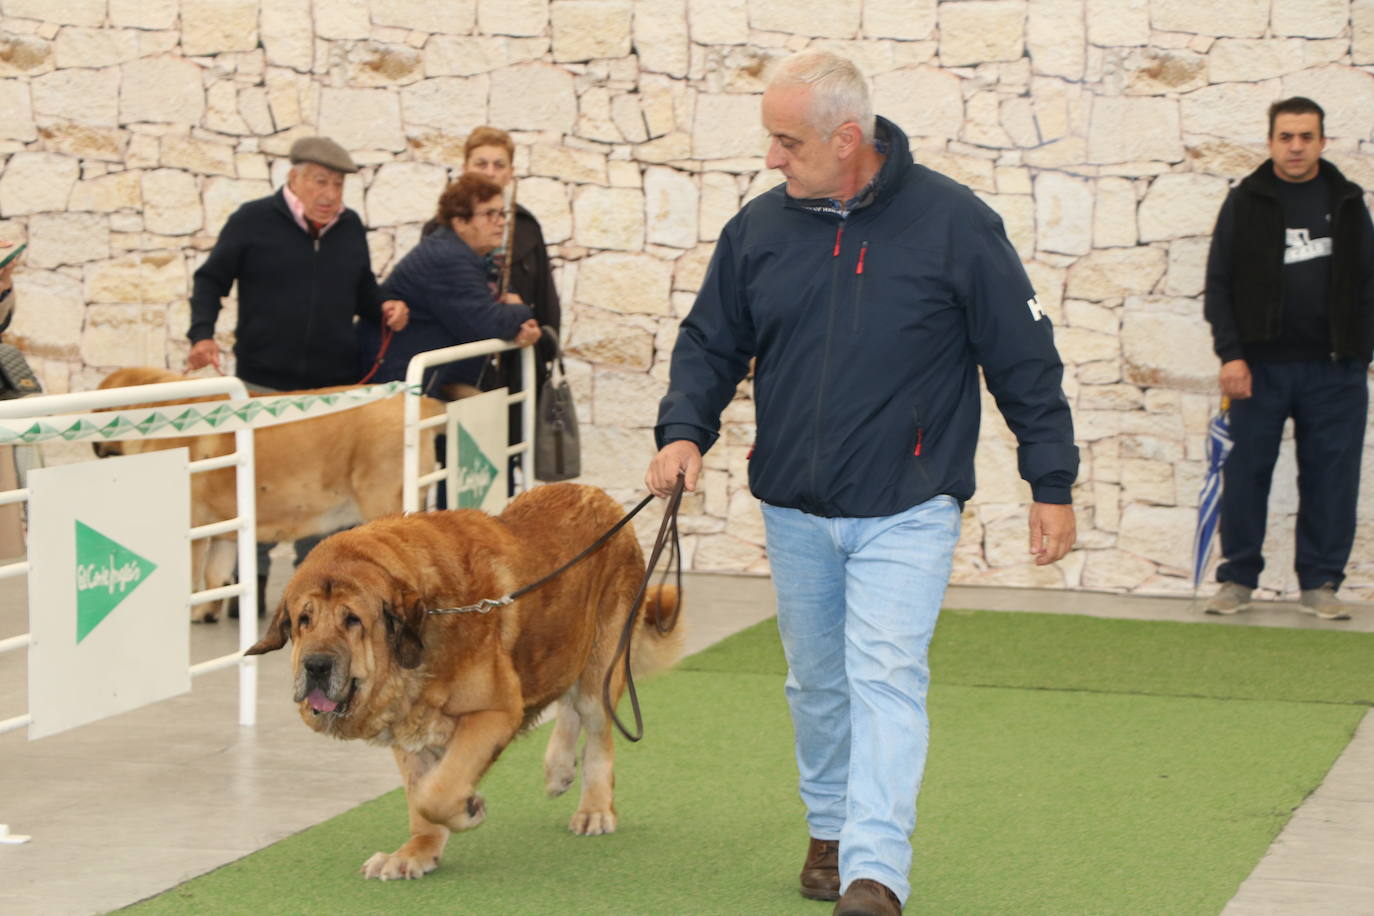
(303, 269)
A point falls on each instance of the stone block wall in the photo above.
(1105, 132)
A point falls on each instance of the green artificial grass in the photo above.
(1077, 766)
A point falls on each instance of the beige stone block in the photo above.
(902, 19)
(22, 55)
(451, 103)
(1018, 120)
(1249, 60)
(286, 28)
(727, 125)
(1118, 22)
(838, 19)
(1018, 219)
(222, 108)
(1161, 534)
(1066, 152)
(373, 64)
(1346, 94)
(1237, 18)
(82, 47)
(1179, 205)
(49, 322)
(57, 239)
(670, 204)
(1125, 129)
(255, 110)
(1114, 214)
(1162, 71)
(1114, 569)
(628, 117)
(1362, 31)
(161, 89)
(982, 121)
(17, 123)
(512, 17)
(215, 26)
(1080, 345)
(1232, 111)
(1012, 179)
(978, 31)
(1310, 18)
(547, 199)
(143, 276)
(670, 148)
(362, 119)
(609, 218)
(1230, 160)
(624, 173)
(718, 22)
(594, 120)
(1063, 213)
(346, 19)
(690, 270)
(180, 151)
(82, 96)
(143, 14)
(660, 36)
(1093, 317)
(624, 400)
(116, 191)
(719, 202)
(568, 164)
(611, 339)
(923, 101)
(66, 12)
(283, 98)
(404, 192)
(118, 335)
(1115, 272)
(441, 16)
(590, 29)
(225, 195)
(36, 182)
(1167, 349)
(171, 202)
(464, 55)
(534, 96)
(627, 283)
(1056, 36)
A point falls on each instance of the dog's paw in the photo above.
(473, 814)
(558, 778)
(394, 866)
(592, 823)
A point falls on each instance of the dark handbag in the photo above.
(557, 448)
(16, 378)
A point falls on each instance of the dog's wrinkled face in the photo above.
(346, 637)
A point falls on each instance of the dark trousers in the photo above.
(1328, 402)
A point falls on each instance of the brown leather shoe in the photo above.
(820, 876)
(868, 898)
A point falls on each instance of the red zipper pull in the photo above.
(838, 232)
(863, 250)
(920, 435)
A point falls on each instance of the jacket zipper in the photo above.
(825, 357)
(859, 286)
(312, 305)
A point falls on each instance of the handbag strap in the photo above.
(556, 370)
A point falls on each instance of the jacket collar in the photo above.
(1263, 180)
(892, 143)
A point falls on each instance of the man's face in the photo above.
(1296, 146)
(319, 189)
(807, 159)
(493, 162)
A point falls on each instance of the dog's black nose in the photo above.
(319, 667)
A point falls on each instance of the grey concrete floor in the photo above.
(125, 808)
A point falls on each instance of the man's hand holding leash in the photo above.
(677, 457)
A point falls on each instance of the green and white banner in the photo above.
(109, 580)
(167, 421)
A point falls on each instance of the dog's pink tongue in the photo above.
(321, 703)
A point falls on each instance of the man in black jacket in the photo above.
(1290, 298)
(303, 269)
(868, 290)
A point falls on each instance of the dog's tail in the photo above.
(654, 650)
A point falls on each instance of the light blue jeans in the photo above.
(857, 603)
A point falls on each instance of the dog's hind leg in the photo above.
(560, 757)
(596, 810)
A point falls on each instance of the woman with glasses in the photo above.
(444, 281)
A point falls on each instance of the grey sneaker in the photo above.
(1323, 602)
(1231, 598)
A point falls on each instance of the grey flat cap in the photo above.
(322, 151)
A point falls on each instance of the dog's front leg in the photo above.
(419, 855)
(447, 794)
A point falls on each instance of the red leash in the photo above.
(387, 334)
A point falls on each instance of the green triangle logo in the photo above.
(106, 573)
(476, 473)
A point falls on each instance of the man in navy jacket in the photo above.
(869, 290)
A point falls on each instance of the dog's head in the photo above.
(127, 378)
(353, 628)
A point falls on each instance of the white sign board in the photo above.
(109, 581)
(475, 453)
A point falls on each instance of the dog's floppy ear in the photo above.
(403, 634)
(278, 631)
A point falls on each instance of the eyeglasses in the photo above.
(496, 215)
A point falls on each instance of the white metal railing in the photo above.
(414, 481)
(244, 524)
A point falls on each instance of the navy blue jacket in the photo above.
(444, 283)
(868, 333)
(297, 295)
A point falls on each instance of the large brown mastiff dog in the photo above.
(448, 692)
(313, 476)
